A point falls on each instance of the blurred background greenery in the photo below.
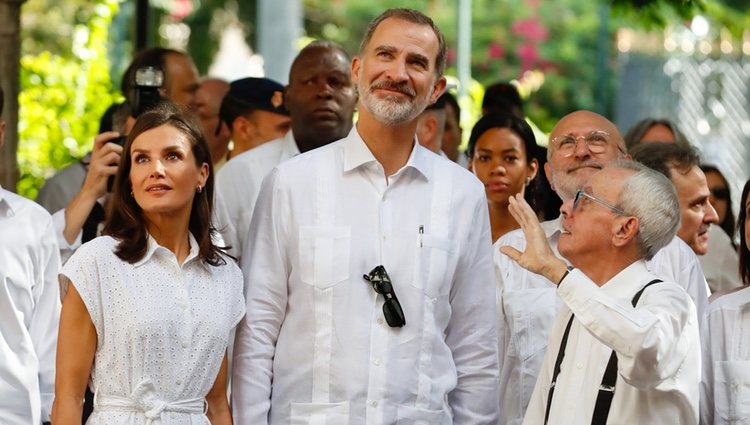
(562, 54)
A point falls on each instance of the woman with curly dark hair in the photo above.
(148, 307)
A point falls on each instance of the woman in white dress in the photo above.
(725, 338)
(148, 308)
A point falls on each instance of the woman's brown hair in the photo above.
(125, 220)
(744, 248)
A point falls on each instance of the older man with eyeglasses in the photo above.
(625, 344)
(581, 144)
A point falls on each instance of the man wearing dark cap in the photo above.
(254, 112)
(431, 127)
(320, 98)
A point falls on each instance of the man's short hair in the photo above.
(415, 17)
(664, 157)
(652, 198)
(635, 134)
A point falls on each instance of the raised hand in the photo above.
(538, 256)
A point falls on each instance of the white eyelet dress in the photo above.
(162, 330)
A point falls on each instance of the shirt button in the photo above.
(184, 345)
(374, 404)
(381, 321)
(579, 365)
(377, 362)
(178, 382)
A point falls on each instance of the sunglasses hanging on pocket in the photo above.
(381, 283)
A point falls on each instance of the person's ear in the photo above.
(548, 173)
(624, 230)
(438, 89)
(533, 168)
(356, 65)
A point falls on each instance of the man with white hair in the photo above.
(581, 144)
(625, 345)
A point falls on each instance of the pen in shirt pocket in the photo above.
(421, 234)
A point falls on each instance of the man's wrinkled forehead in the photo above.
(584, 122)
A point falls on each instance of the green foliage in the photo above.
(653, 14)
(63, 95)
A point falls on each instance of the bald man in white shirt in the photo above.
(369, 301)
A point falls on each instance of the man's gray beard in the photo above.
(390, 110)
(565, 186)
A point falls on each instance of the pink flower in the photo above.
(528, 54)
(532, 29)
(495, 51)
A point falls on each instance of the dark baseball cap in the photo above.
(248, 94)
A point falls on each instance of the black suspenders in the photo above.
(607, 387)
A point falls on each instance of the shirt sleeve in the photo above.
(708, 340)
(647, 338)
(471, 333)
(265, 267)
(223, 218)
(81, 271)
(46, 315)
(237, 299)
(66, 249)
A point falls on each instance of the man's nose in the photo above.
(711, 216)
(397, 71)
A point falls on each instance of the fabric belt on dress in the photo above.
(144, 399)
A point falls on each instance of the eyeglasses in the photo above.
(381, 283)
(596, 142)
(581, 194)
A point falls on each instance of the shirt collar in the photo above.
(356, 154)
(152, 247)
(6, 208)
(622, 285)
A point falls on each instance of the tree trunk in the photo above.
(10, 56)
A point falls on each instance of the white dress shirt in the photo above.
(162, 330)
(721, 263)
(238, 184)
(528, 304)
(29, 310)
(656, 343)
(725, 386)
(316, 332)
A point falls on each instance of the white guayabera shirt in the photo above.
(29, 310)
(528, 303)
(315, 347)
(656, 344)
(725, 386)
(237, 186)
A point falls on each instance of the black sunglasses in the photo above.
(381, 283)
